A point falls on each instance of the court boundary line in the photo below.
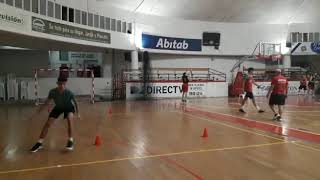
(195, 107)
(290, 105)
(141, 157)
(223, 107)
(234, 127)
(252, 132)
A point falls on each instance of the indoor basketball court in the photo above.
(145, 89)
(137, 143)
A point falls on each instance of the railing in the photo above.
(293, 74)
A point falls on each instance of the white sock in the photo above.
(40, 140)
(71, 139)
(258, 108)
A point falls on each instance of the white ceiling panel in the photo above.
(257, 11)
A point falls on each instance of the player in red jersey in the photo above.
(278, 91)
(248, 84)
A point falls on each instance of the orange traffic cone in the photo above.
(205, 133)
(98, 141)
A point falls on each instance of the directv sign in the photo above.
(170, 43)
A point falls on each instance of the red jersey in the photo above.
(248, 83)
(280, 84)
(303, 82)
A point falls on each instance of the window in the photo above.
(71, 15)
(311, 37)
(43, 7)
(64, 13)
(118, 26)
(64, 56)
(84, 18)
(113, 25)
(26, 5)
(129, 29)
(305, 37)
(124, 27)
(96, 21)
(294, 37)
(9, 2)
(90, 19)
(57, 11)
(50, 9)
(299, 37)
(18, 4)
(107, 23)
(35, 6)
(78, 16)
(316, 37)
(102, 22)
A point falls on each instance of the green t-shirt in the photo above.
(62, 100)
(245, 77)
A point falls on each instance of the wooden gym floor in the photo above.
(161, 140)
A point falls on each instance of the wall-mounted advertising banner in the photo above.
(293, 88)
(58, 29)
(306, 48)
(164, 90)
(170, 43)
(12, 19)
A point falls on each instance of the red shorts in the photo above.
(185, 87)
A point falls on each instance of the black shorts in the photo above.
(304, 87)
(277, 99)
(249, 95)
(311, 86)
(56, 112)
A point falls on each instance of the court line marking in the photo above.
(306, 146)
(234, 127)
(137, 112)
(262, 122)
(141, 157)
(224, 107)
(297, 144)
(289, 105)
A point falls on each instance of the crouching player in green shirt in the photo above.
(64, 103)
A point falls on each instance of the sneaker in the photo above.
(261, 111)
(279, 118)
(275, 117)
(69, 145)
(36, 147)
(241, 110)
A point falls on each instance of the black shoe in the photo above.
(241, 110)
(279, 118)
(36, 147)
(69, 145)
(276, 117)
(261, 111)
